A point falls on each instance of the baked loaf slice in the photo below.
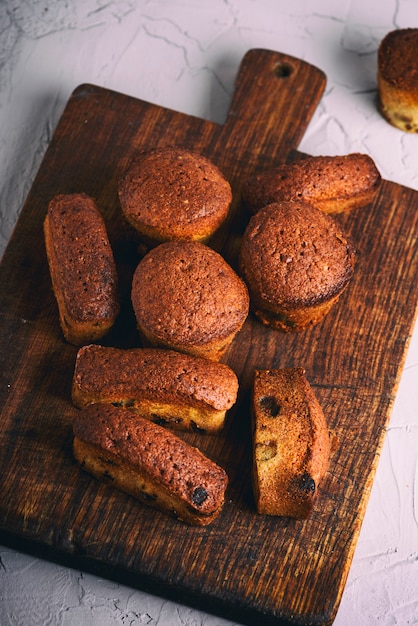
(397, 78)
(82, 268)
(172, 193)
(167, 387)
(149, 462)
(330, 183)
(296, 261)
(186, 297)
(291, 445)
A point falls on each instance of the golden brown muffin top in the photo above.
(294, 254)
(186, 293)
(149, 447)
(155, 374)
(398, 59)
(315, 179)
(82, 257)
(174, 193)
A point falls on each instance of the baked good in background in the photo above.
(180, 390)
(149, 462)
(291, 445)
(172, 193)
(332, 184)
(296, 262)
(82, 267)
(186, 297)
(397, 78)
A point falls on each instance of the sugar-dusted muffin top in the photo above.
(173, 193)
(185, 293)
(294, 254)
(398, 60)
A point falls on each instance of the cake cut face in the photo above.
(397, 78)
(291, 444)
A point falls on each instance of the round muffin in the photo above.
(171, 193)
(397, 78)
(296, 262)
(186, 297)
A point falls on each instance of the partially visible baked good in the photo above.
(296, 261)
(82, 267)
(172, 193)
(188, 298)
(167, 387)
(149, 462)
(332, 184)
(291, 445)
(397, 78)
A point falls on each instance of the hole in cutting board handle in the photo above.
(283, 70)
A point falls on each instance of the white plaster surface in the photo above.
(184, 54)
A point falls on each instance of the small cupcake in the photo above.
(397, 78)
(296, 262)
(186, 297)
(171, 193)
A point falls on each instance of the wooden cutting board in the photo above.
(245, 567)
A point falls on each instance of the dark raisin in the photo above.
(124, 403)
(199, 495)
(270, 405)
(307, 483)
(158, 419)
(195, 428)
(107, 476)
(148, 497)
(108, 461)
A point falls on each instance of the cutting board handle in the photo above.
(275, 97)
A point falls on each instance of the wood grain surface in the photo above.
(246, 567)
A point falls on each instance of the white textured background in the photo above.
(184, 54)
